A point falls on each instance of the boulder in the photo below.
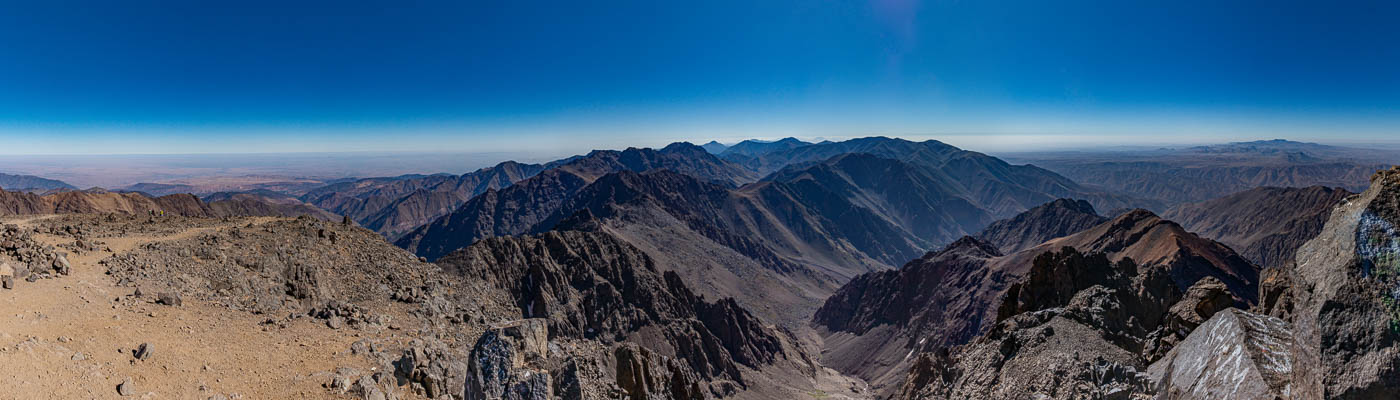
(505, 363)
(1234, 355)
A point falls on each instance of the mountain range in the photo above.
(866, 268)
(1195, 174)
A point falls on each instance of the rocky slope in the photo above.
(1266, 224)
(103, 202)
(873, 325)
(595, 287)
(1059, 218)
(520, 207)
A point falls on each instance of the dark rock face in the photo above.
(1059, 218)
(1343, 293)
(506, 363)
(644, 375)
(1234, 355)
(1266, 224)
(592, 286)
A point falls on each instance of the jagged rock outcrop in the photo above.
(1234, 355)
(1059, 218)
(1202, 301)
(1344, 295)
(874, 325)
(1266, 224)
(1073, 328)
(590, 285)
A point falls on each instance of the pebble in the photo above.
(124, 388)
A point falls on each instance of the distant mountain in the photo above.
(1266, 224)
(1059, 218)
(714, 147)
(30, 183)
(752, 147)
(395, 205)
(1195, 174)
(993, 184)
(877, 320)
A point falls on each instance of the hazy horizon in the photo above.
(267, 77)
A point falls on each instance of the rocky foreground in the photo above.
(1326, 326)
(110, 306)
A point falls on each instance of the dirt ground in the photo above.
(72, 338)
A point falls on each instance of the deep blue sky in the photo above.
(249, 76)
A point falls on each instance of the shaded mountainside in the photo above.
(392, 206)
(752, 148)
(1176, 176)
(1001, 188)
(1059, 218)
(519, 208)
(31, 183)
(1265, 225)
(873, 323)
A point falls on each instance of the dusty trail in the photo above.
(72, 337)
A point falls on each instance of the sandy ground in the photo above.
(72, 338)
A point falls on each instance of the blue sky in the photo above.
(252, 76)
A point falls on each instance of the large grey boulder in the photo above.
(1234, 355)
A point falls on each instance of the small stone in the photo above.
(79, 356)
(143, 352)
(335, 322)
(124, 388)
(170, 299)
(7, 282)
(64, 339)
(218, 397)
